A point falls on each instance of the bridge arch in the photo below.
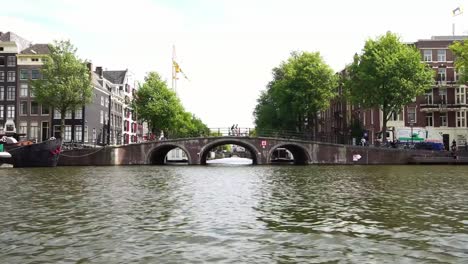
(300, 154)
(224, 141)
(157, 155)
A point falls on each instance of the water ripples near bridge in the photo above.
(234, 214)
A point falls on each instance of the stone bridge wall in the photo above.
(198, 148)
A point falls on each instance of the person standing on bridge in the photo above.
(232, 132)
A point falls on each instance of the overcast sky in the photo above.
(226, 48)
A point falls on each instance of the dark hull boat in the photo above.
(42, 154)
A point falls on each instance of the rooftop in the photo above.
(12, 37)
(37, 49)
(115, 77)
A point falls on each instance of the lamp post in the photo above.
(109, 116)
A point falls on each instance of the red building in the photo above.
(441, 110)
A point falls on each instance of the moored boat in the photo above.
(27, 153)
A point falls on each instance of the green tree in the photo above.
(66, 81)
(158, 105)
(460, 50)
(387, 75)
(301, 87)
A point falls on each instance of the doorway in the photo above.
(446, 140)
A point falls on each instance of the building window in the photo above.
(57, 114)
(11, 61)
(2, 113)
(79, 114)
(107, 102)
(45, 130)
(34, 108)
(35, 74)
(102, 100)
(443, 96)
(102, 117)
(443, 119)
(429, 119)
(45, 110)
(94, 135)
(68, 114)
(24, 90)
(24, 74)
(23, 128)
(78, 134)
(2, 60)
(441, 55)
(11, 93)
(23, 108)
(10, 111)
(106, 118)
(57, 131)
(68, 132)
(2, 76)
(441, 75)
(86, 134)
(11, 76)
(429, 98)
(31, 92)
(411, 114)
(34, 130)
(460, 95)
(427, 55)
(461, 119)
(2, 93)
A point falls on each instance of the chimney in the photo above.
(99, 71)
(90, 66)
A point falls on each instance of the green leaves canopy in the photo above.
(155, 103)
(460, 50)
(301, 86)
(66, 81)
(387, 75)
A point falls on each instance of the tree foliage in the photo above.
(66, 82)
(301, 87)
(387, 75)
(460, 50)
(155, 103)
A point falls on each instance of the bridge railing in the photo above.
(288, 134)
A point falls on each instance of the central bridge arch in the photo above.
(255, 153)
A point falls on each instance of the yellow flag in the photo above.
(176, 67)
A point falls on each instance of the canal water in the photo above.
(234, 214)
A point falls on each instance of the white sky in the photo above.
(226, 48)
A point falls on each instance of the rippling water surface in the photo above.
(234, 214)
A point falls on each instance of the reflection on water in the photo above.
(231, 161)
(234, 214)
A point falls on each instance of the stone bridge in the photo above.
(260, 148)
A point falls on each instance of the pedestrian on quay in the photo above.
(454, 149)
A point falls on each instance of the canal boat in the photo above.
(27, 153)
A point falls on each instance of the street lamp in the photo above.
(109, 88)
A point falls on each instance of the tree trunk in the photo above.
(384, 126)
(62, 124)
